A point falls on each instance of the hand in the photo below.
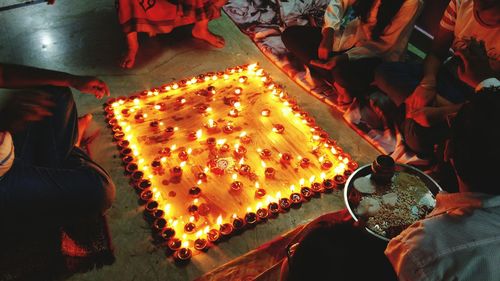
(423, 116)
(330, 63)
(324, 49)
(90, 85)
(421, 97)
(475, 65)
(22, 108)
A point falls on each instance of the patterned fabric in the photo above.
(161, 16)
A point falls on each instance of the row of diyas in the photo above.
(201, 237)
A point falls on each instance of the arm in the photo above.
(425, 93)
(428, 116)
(333, 16)
(18, 76)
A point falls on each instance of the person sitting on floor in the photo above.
(356, 37)
(424, 94)
(153, 17)
(44, 175)
(460, 238)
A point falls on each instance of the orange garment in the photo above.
(161, 16)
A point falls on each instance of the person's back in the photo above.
(460, 239)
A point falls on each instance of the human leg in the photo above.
(354, 77)
(49, 174)
(201, 31)
(303, 43)
(128, 59)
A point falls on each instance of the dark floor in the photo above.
(83, 37)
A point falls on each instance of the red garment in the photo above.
(161, 16)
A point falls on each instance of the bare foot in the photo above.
(128, 59)
(83, 123)
(209, 37)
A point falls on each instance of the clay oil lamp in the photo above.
(169, 132)
(213, 235)
(273, 208)
(278, 128)
(326, 165)
(146, 195)
(328, 185)
(174, 244)
(194, 191)
(176, 171)
(137, 175)
(211, 142)
(245, 138)
(236, 185)
(264, 153)
(306, 192)
(127, 159)
(202, 176)
(144, 184)
(228, 129)
(200, 244)
(316, 187)
(238, 223)
(339, 181)
(285, 158)
(304, 163)
(284, 204)
(295, 199)
(123, 144)
(167, 233)
(265, 113)
(159, 224)
(244, 169)
(233, 112)
(262, 213)
(226, 229)
(250, 218)
(183, 155)
(190, 227)
(270, 172)
(211, 126)
(183, 255)
(131, 167)
(240, 151)
(165, 152)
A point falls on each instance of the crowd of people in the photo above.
(449, 100)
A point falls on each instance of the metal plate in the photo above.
(365, 170)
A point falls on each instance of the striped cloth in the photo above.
(161, 16)
(6, 152)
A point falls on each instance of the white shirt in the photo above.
(6, 152)
(458, 240)
(391, 45)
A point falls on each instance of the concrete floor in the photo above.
(83, 37)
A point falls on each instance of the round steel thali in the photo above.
(366, 170)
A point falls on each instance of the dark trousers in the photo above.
(52, 180)
(353, 75)
(398, 80)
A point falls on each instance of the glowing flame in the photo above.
(242, 134)
(321, 159)
(198, 234)
(323, 176)
(311, 179)
(292, 188)
(263, 164)
(278, 194)
(163, 159)
(167, 208)
(173, 147)
(249, 210)
(183, 163)
(257, 185)
(237, 104)
(185, 244)
(189, 151)
(221, 141)
(211, 123)
(206, 230)
(235, 177)
(259, 205)
(191, 219)
(195, 201)
(242, 161)
(219, 220)
(302, 181)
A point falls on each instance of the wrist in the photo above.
(428, 82)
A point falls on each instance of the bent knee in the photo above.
(103, 191)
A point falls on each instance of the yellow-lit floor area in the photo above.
(83, 37)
